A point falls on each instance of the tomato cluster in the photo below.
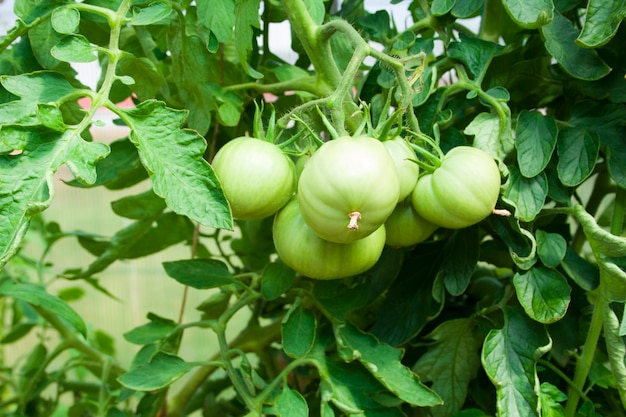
(335, 212)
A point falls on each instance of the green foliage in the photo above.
(521, 314)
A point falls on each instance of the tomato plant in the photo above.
(500, 290)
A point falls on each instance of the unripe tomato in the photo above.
(256, 177)
(461, 192)
(405, 227)
(407, 171)
(304, 251)
(348, 188)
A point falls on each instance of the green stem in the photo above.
(600, 189)
(617, 222)
(564, 377)
(318, 51)
(491, 21)
(583, 365)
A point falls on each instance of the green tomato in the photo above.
(348, 188)
(303, 250)
(407, 171)
(461, 192)
(256, 177)
(405, 227)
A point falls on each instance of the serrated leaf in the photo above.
(476, 54)
(159, 372)
(154, 13)
(450, 363)
(602, 19)
(174, 159)
(65, 20)
(530, 14)
(510, 362)
(199, 273)
(36, 295)
(74, 48)
(290, 403)
(578, 151)
(527, 195)
(535, 140)
(298, 330)
(543, 293)
(218, 17)
(384, 362)
(551, 248)
(247, 17)
(550, 397)
(490, 135)
(277, 278)
(560, 40)
(148, 80)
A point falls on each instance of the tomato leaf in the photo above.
(510, 362)
(490, 135)
(527, 195)
(602, 20)
(450, 363)
(581, 271)
(560, 40)
(441, 7)
(247, 17)
(152, 14)
(298, 330)
(199, 273)
(410, 302)
(461, 254)
(616, 348)
(384, 362)
(549, 398)
(530, 14)
(467, 8)
(157, 372)
(139, 206)
(551, 248)
(74, 48)
(290, 403)
(543, 293)
(174, 159)
(218, 17)
(610, 253)
(578, 151)
(535, 141)
(157, 329)
(65, 20)
(476, 54)
(277, 278)
(36, 295)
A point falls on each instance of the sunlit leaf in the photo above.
(602, 19)
(543, 293)
(535, 140)
(527, 195)
(174, 159)
(531, 13)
